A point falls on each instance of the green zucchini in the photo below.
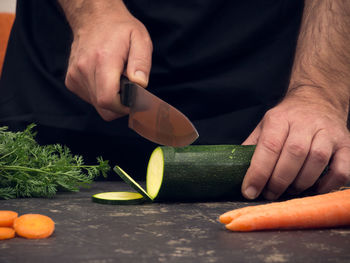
(192, 173)
(118, 198)
(202, 172)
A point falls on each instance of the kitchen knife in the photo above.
(155, 119)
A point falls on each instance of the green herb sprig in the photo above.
(28, 169)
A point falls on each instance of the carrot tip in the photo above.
(225, 219)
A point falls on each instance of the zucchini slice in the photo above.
(155, 172)
(119, 198)
(127, 178)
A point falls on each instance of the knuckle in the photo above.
(142, 56)
(70, 81)
(272, 145)
(273, 116)
(261, 175)
(269, 117)
(103, 102)
(297, 150)
(142, 63)
(320, 156)
(269, 113)
(81, 65)
(101, 56)
(142, 36)
(278, 184)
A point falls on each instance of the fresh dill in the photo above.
(28, 169)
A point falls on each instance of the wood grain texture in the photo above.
(160, 232)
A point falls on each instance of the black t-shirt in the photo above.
(222, 63)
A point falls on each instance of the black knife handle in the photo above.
(125, 91)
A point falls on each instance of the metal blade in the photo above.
(158, 121)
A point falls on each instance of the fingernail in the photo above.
(141, 76)
(270, 195)
(251, 192)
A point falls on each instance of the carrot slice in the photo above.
(34, 226)
(6, 233)
(7, 218)
(327, 210)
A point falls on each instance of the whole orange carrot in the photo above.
(231, 215)
(7, 218)
(6, 233)
(34, 226)
(327, 210)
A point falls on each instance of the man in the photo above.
(228, 65)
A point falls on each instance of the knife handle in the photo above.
(125, 91)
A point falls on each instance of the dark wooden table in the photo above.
(159, 232)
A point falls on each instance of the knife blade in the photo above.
(154, 119)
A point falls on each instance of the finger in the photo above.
(293, 155)
(74, 86)
(339, 171)
(84, 66)
(81, 92)
(78, 78)
(140, 58)
(253, 137)
(107, 80)
(108, 115)
(273, 134)
(315, 163)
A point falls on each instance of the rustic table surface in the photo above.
(159, 232)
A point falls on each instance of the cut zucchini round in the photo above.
(119, 198)
(155, 172)
(127, 178)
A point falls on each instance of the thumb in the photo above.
(140, 58)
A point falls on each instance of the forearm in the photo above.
(80, 13)
(322, 60)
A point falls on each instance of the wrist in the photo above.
(84, 14)
(334, 99)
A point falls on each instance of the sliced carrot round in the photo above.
(7, 218)
(6, 233)
(34, 226)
